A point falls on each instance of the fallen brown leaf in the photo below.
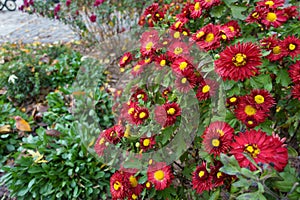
(22, 125)
(5, 129)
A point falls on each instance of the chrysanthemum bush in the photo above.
(93, 20)
(211, 105)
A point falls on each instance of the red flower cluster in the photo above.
(289, 46)
(205, 180)
(263, 149)
(124, 184)
(270, 13)
(294, 73)
(253, 109)
(160, 175)
(147, 143)
(112, 135)
(134, 114)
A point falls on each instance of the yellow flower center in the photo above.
(239, 59)
(140, 96)
(136, 68)
(133, 196)
(224, 37)
(185, 33)
(205, 89)
(255, 15)
(162, 63)
(200, 34)
(250, 122)
(117, 185)
(183, 80)
(201, 174)
(249, 110)
(130, 111)
(219, 174)
(133, 181)
(233, 99)
(178, 50)
(147, 60)
(102, 141)
(269, 3)
(276, 50)
(231, 28)
(124, 59)
(159, 175)
(149, 46)
(209, 37)
(146, 142)
(215, 142)
(177, 24)
(259, 99)
(271, 17)
(177, 34)
(171, 111)
(142, 115)
(292, 47)
(148, 184)
(253, 150)
(197, 6)
(150, 162)
(183, 65)
(221, 132)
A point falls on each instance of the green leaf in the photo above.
(217, 11)
(283, 78)
(228, 2)
(261, 81)
(237, 12)
(231, 166)
(215, 195)
(23, 191)
(30, 184)
(251, 196)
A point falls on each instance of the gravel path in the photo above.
(18, 26)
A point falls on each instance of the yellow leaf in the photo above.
(37, 157)
(92, 142)
(5, 129)
(22, 125)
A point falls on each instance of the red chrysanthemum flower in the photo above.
(151, 9)
(138, 94)
(294, 72)
(271, 3)
(274, 45)
(161, 61)
(256, 15)
(179, 23)
(260, 99)
(226, 34)
(149, 43)
(195, 9)
(208, 37)
(165, 93)
(140, 115)
(274, 18)
(119, 186)
(160, 175)
(232, 101)
(296, 91)
(239, 61)
(292, 46)
(207, 89)
(201, 181)
(114, 134)
(128, 111)
(217, 138)
(218, 177)
(262, 148)
(234, 27)
(147, 143)
(138, 68)
(209, 3)
(167, 114)
(246, 111)
(180, 65)
(179, 48)
(186, 82)
(291, 12)
(93, 18)
(100, 145)
(126, 59)
(280, 156)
